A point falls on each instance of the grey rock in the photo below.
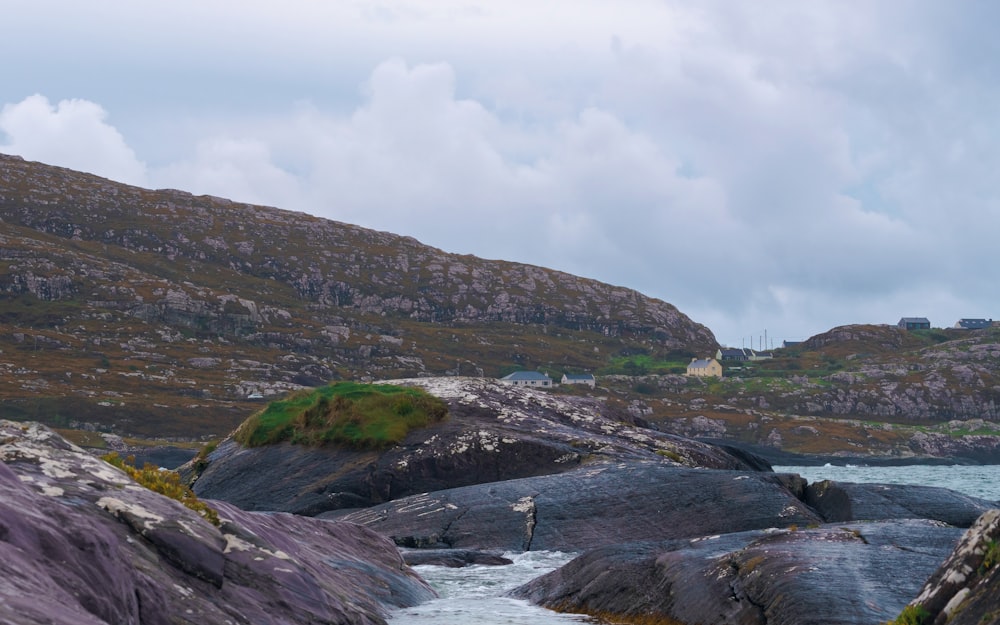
(453, 558)
(493, 433)
(965, 589)
(80, 542)
(593, 505)
(844, 501)
(856, 574)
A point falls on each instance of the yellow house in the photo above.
(705, 368)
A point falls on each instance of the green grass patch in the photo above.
(643, 364)
(166, 483)
(991, 558)
(362, 416)
(911, 615)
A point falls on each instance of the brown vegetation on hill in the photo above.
(159, 312)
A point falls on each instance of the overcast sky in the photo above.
(784, 166)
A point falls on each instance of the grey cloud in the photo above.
(780, 164)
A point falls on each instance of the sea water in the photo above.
(475, 594)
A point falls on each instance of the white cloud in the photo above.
(73, 133)
(776, 165)
(239, 169)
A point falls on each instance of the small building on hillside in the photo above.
(914, 323)
(741, 355)
(705, 368)
(732, 353)
(578, 378)
(527, 378)
(973, 324)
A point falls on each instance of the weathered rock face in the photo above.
(965, 590)
(873, 392)
(593, 505)
(856, 574)
(955, 380)
(494, 432)
(80, 542)
(609, 503)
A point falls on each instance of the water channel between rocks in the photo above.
(473, 595)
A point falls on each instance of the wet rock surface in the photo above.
(453, 558)
(850, 574)
(493, 433)
(591, 506)
(844, 501)
(80, 542)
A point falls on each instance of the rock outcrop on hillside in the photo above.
(82, 544)
(897, 376)
(870, 393)
(494, 432)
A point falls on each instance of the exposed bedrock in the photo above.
(841, 574)
(845, 501)
(590, 506)
(82, 543)
(493, 433)
(965, 590)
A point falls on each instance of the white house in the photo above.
(578, 378)
(527, 378)
(705, 368)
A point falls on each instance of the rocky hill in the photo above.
(860, 390)
(159, 312)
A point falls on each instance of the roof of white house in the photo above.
(701, 364)
(523, 376)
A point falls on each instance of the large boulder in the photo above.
(965, 589)
(853, 574)
(593, 505)
(493, 432)
(845, 501)
(82, 543)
